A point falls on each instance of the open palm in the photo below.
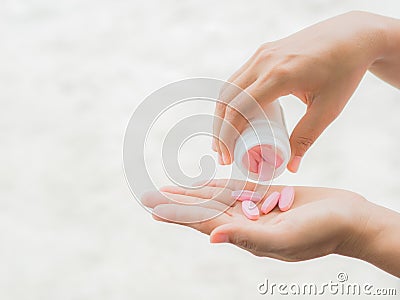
(321, 221)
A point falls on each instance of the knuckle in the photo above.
(231, 114)
(280, 72)
(224, 87)
(260, 49)
(262, 56)
(220, 108)
(265, 51)
(264, 46)
(304, 143)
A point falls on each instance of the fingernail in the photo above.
(296, 163)
(219, 238)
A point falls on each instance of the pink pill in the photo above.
(245, 195)
(271, 156)
(270, 203)
(265, 171)
(251, 160)
(250, 210)
(287, 198)
(255, 152)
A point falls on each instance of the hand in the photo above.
(321, 221)
(321, 65)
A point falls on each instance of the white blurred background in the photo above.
(71, 74)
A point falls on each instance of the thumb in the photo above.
(243, 236)
(308, 129)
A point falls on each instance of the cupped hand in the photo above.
(321, 65)
(321, 221)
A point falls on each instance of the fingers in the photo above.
(233, 184)
(200, 218)
(218, 194)
(236, 115)
(236, 79)
(307, 130)
(153, 199)
(229, 91)
(244, 107)
(247, 65)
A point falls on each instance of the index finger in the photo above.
(233, 184)
(229, 91)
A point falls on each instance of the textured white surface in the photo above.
(71, 73)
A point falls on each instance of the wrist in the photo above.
(388, 31)
(374, 237)
(387, 64)
(374, 32)
(382, 244)
(367, 231)
(356, 231)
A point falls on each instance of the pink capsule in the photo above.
(287, 198)
(250, 210)
(270, 203)
(245, 195)
(265, 171)
(251, 160)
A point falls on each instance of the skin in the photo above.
(321, 65)
(321, 221)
